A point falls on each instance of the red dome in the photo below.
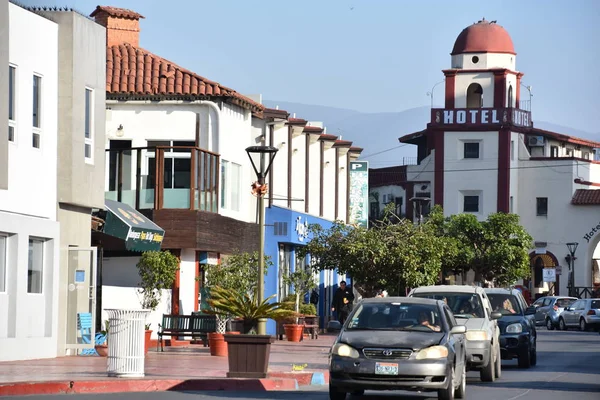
(483, 37)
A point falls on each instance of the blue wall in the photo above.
(295, 235)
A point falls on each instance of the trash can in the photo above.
(126, 343)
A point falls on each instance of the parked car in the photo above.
(583, 313)
(518, 336)
(549, 308)
(399, 343)
(471, 307)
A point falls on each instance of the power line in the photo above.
(385, 151)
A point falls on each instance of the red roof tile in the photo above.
(387, 176)
(342, 143)
(356, 149)
(117, 12)
(133, 71)
(313, 129)
(297, 121)
(326, 137)
(586, 197)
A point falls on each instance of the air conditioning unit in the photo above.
(535, 140)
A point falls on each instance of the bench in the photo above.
(195, 325)
(311, 326)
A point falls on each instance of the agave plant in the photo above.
(244, 305)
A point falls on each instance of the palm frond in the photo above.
(243, 305)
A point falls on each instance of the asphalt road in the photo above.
(568, 367)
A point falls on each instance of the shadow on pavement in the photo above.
(574, 387)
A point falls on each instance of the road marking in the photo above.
(558, 376)
(521, 395)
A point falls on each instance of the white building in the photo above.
(481, 154)
(29, 231)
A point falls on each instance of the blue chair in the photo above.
(84, 324)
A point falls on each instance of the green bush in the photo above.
(308, 309)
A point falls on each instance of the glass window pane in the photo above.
(11, 134)
(471, 204)
(224, 168)
(3, 262)
(182, 173)
(236, 179)
(88, 115)
(36, 140)
(88, 151)
(37, 82)
(11, 93)
(36, 266)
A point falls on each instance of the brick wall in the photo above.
(119, 30)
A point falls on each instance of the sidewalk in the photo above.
(288, 360)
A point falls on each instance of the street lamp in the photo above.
(572, 246)
(430, 94)
(259, 189)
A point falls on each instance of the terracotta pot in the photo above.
(217, 344)
(148, 334)
(293, 332)
(102, 350)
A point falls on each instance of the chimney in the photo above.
(122, 25)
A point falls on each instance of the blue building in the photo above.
(286, 230)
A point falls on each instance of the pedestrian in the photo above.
(342, 302)
(314, 297)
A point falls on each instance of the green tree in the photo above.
(238, 271)
(157, 270)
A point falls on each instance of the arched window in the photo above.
(510, 97)
(474, 96)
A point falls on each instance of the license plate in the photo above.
(386, 369)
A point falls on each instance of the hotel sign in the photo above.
(481, 117)
(359, 193)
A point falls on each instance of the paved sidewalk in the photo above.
(192, 362)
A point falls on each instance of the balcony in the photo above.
(164, 177)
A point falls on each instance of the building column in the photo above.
(504, 137)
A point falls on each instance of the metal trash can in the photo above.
(126, 357)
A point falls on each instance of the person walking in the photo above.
(342, 302)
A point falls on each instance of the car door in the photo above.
(579, 311)
(458, 341)
(539, 309)
(569, 314)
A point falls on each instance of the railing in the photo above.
(582, 292)
(409, 161)
(164, 177)
(525, 105)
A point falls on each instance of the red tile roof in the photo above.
(387, 176)
(356, 149)
(117, 12)
(565, 138)
(326, 137)
(297, 121)
(586, 197)
(342, 143)
(313, 129)
(132, 71)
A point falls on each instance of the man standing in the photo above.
(342, 302)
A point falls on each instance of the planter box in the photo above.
(248, 355)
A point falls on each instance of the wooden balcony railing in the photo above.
(164, 177)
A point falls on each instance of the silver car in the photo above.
(549, 308)
(584, 313)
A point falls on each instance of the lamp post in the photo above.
(259, 189)
(572, 246)
(430, 94)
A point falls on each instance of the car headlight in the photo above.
(432, 352)
(514, 328)
(343, 350)
(477, 335)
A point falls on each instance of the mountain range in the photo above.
(378, 133)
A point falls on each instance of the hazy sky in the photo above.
(373, 55)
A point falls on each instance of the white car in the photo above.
(472, 308)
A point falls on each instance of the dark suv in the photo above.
(518, 336)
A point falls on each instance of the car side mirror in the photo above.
(567, 308)
(458, 329)
(496, 315)
(530, 310)
(334, 326)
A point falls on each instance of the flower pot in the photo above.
(248, 355)
(147, 337)
(217, 344)
(101, 349)
(293, 332)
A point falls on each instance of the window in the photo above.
(510, 96)
(471, 204)
(89, 127)
(37, 112)
(474, 96)
(36, 266)
(510, 205)
(231, 179)
(542, 206)
(236, 180)
(224, 181)
(512, 150)
(11, 103)
(398, 202)
(374, 209)
(3, 262)
(553, 151)
(471, 150)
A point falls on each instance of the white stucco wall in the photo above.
(329, 182)
(388, 190)
(187, 281)
(314, 177)
(280, 166)
(298, 172)
(343, 184)
(463, 80)
(486, 60)
(33, 54)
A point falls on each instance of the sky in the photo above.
(372, 55)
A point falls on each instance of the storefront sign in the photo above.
(145, 236)
(359, 193)
(301, 228)
(481, 116)
(592, 232)
(549, 275)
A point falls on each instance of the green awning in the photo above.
(138, 232)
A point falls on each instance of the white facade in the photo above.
(29, 232)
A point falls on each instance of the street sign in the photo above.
(549, 274)
(558, 270)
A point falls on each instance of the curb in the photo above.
(303, 378)
(147, 385)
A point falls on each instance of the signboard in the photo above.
(359, 193)
(549, 275)
(481, 116)
(558, 270)
(301, 228)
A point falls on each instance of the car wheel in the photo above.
(488, 373)
(582, 325)
(525, 358)
(561, 325)
(448, 393)
(498, 366)
(461, 390)
(336, 394)
(533, 357)
(549, 324)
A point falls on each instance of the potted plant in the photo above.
(235, 272)
(302, 281)
(157, 270)
(248, 352)
(102, 349)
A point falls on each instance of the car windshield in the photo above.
(562, 303)
(506, 304)
(396, 316)
(463, 305)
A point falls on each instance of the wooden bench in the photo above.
(311, 326)
(195, 325)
